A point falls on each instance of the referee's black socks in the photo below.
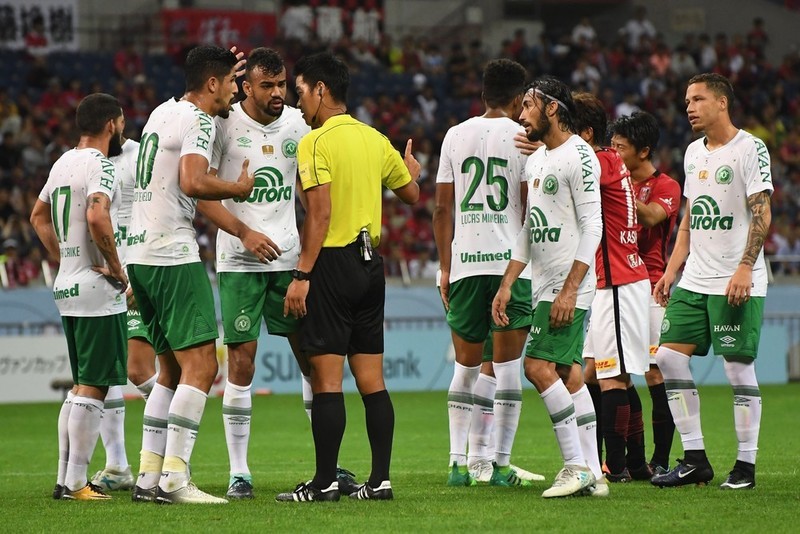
(328, 420)
(380, 429)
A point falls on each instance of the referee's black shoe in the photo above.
(381, 493)
(684, 474)
(305, 492)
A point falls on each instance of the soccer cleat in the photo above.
(366, 493)
(684, 474)
(598, 489)
(658, 469)
(89, 492)
(738, 479)
(459, 476)
(618, 478)
(58, 491)
(506, 477)
(347, 481)
(240, 487)
(140, 494)
(527, 475)
(481, 470)
(571, 480)
(112, 480)
(643, 472)
(189, 494)
(305, 492)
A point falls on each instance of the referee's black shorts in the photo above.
(345, 304)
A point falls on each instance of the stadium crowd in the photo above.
(419, 88)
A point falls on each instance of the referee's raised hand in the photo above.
(411, 162)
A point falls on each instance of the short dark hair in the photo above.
(503, 80)
(640, 129)
(94, 112)
(717, 83)
(265, 59)
(326, 68)
(207, 61)
(554, 90)
(590, 113)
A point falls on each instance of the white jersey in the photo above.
(78, 290)
(125, 165)
(162, 230)
(561, 182)
(717, 185)
(272, 151)
(480, 160)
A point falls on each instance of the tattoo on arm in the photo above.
(759, 205)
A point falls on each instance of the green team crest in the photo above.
(665, 326)
(242, 323)
(550, 186)
(724, 175)
(289, 148)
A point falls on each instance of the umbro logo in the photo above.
(244, 142)
(727, 341)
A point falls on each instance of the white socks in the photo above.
(459, 410)
(147, 386)
(507, 408)
(154, 435)
(586, 421)
(84, 429)
(237, 409)
(63, 438)
(684, 401)
(746, 408)
(559, 405)
(481, 441)
(112, 429)
(185, 413)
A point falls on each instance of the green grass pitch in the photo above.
(281, 454)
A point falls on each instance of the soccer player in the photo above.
(265, 131)
(719, 300)
(116, 475)
(74, 218)
(170, 284)
(339, 285)
(635, 137)
(559, 240)
(480, 198)
(616, 344)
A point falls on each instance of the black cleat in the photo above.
(643, 472)
(684, 474)
(381, 493)
(305, 492)
(240, 488)
(658, 469)
(618, 478)
(140, 494)
(58, 491)
(738, 479)
(347, 481)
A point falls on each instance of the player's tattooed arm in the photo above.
(759, 204)
(98, 217)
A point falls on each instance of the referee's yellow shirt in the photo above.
(355, 159)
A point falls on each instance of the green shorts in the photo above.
(470, 315)
(247, 297)
(136, 327)
(176, 304)
(562, 346)
(98, 349)
(708, 320)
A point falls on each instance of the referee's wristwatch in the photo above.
(300, 275)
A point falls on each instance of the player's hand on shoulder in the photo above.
(245, 183)
(413, 166)
(525, 146)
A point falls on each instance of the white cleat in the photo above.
(189, 494)
(481, 469)
(113, 480)
(571, 480)
(599, 489)
(527, 475)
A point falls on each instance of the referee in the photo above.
(339, 286)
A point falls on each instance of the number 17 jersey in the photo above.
(479, 158)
